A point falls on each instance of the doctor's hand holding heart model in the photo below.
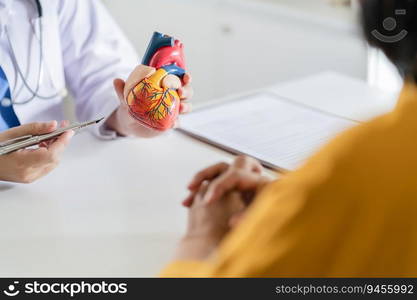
(50, 47)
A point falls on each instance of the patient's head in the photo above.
(391, 25)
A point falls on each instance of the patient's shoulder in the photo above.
(386, 144)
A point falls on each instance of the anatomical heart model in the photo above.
(149, 101)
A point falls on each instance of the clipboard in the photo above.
(280, 132)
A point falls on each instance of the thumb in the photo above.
(119, 86)
(172, 82)
(30, 129)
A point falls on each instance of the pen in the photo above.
(31, 140)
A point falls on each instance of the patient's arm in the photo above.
(244, 175)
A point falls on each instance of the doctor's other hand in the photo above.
(244, 176)
(28, 165)
(122, 122)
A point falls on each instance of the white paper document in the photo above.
(277, 131)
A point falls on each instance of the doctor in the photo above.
(49, 48)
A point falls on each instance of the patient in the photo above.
(350, 211)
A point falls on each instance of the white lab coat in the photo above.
(84, 50)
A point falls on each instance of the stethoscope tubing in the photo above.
(35, 93)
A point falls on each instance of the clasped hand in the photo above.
(219, 197)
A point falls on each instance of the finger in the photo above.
(30, 129)
(247, 163)
(186, 92)
(119, 86)
(64, 123)
(48, 143)
(185, 108)
(188, 202)
(44, 145)
(172, 82)
(60, 144)
(200, 193)
(230, 181)
(207, 174)
(187, 79)
(220, 186)
(39, 157)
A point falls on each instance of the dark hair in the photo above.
(384, 19)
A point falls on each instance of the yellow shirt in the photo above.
(350, 211)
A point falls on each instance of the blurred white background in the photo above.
(234, 45)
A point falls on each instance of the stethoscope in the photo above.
(34, 92)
